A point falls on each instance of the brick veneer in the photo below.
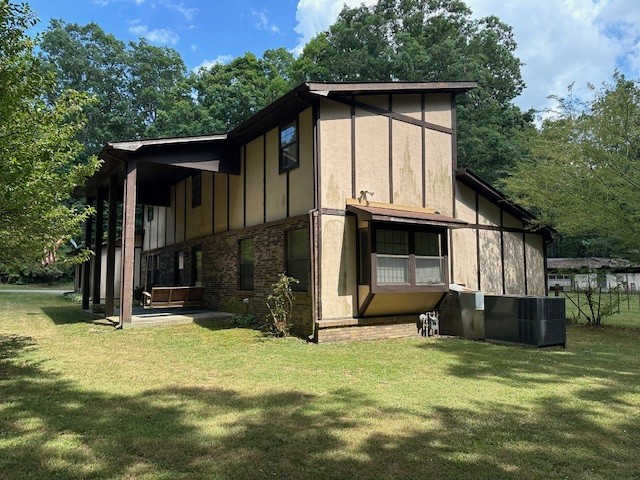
(220, 268)
(367, 329)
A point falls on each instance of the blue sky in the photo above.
(559, 41)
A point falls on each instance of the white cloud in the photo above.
(262, 21)
(315, 16)
(566, 41)
(220, 59)
(162, 36)
(186, 12)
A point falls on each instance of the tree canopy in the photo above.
(583, 176)
(38, 148)
(433, 40)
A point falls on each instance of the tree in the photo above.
(38, 149)
(433, 40)
(583, 176)
(234, 91)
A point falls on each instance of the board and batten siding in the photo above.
(400, 162)
(259, 194)
(495, 253)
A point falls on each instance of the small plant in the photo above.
(280, 305)
(244, 320)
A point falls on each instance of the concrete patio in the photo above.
(153, 317)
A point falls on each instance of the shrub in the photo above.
(280, 305)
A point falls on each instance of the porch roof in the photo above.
(370, 213)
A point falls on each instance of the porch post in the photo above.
(86, 267)
(111, 246)
(128, 242)
(99, 230)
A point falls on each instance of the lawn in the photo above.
(80, 400)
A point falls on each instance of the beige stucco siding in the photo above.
(513, 263)
(535, 264)
(220, 202)
(162, 227)
(407, 164)
(380, 101)
(276, 183)
(372, 155)
(301, 197)
(254, 194)
(465, 203)
(194, 215)
(490, 262)
(409, 105)
(489, 213)
(171, 218)
(180, 211)
(465, 262)
(338, 267)
(335, 154)
(438, 109)
(207, 203)
(510, 222)
(402, 303)
(438, 178)
(236, 197)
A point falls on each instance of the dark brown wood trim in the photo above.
(99, 232)
(524, 260)
(390, 150)
(423, 107)
(504, 290)
(478, 239)
(112, 216)
(546, 269)
(213, 203)
(367, 301)
(334, 211)
(157, 216)
(393, 115)
(264, 178)
(175, 214)
(498, 229)
(186, 211)
(86, 266)
(353, 147)
(128, 242)
(166, 218)
(228, 202)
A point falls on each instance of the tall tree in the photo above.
(132, 82)
(433, 40)
(38, 149)
(584, 173)
(234, 91)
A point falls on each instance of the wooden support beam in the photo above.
(128, 243)
(109, 303)
(86, 267)
(99, 230)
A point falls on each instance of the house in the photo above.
(352, 188)
(573, 274)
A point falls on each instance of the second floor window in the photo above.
(289, 146)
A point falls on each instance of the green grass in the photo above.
(80, 400)
(67, 286)
(626, 308)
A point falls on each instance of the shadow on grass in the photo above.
(63, 315)
(51, 428)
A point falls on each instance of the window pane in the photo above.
(298, 258)
(288, 147)
(393, 269)
(429, 270)
(427, 244)
(392, 242)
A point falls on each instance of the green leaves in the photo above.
(584, 173)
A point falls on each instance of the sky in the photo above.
(560, 42)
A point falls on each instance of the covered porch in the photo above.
(133, 173)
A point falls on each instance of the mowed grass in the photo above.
(80, 400)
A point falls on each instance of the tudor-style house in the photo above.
(351, 188)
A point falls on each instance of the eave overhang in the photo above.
(378, 214)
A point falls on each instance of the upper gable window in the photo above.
(289, 146)
(196, 190)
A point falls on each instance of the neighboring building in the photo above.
(351, 188)
(572, 274)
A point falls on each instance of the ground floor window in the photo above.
(245, 265)
(298, 258)
(395, 256)
(196, 266)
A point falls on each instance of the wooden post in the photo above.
(86, 268)
(99, 230)
(128, 243)
(111, 247)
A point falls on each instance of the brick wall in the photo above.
(220, 269)
(367, 329)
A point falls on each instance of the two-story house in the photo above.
(351, 188)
